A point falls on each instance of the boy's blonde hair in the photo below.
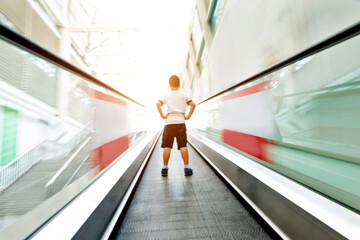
(174, 81)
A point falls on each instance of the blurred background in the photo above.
(130, 45)
(58, 128)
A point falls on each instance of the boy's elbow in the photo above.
(159, 104)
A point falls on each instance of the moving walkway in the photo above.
(231, 195)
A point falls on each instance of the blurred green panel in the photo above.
(203, 57)
(336, 178)
(9, 135)
(216, 13)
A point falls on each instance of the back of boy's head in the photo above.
(174, 81)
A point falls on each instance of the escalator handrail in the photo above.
(327, 43)
(26, 44)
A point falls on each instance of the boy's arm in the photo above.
(192, 108)
(158, 105)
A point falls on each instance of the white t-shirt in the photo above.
(176, 102)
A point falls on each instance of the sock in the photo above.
(186, 166)
(165, 166)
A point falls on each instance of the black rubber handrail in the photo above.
(331, 41)
(26, 44)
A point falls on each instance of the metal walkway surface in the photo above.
(178, 207)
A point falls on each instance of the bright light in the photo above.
(150, 49)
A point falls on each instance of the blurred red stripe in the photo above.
(251, 90)
(253, 145)
(108, 98)
(107, 153)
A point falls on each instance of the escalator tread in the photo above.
(178, 207)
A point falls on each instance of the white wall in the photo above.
(31, 132)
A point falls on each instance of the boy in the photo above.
(175, 123)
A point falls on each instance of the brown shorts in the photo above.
(172, 131)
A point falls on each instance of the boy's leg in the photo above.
(181, 139)
(167, 142)
(185, 155)
(166, 156)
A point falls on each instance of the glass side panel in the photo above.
(58, 133)
(302, 121)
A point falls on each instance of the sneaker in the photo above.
(164, 172)
(188, 171)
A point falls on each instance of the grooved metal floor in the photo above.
(178, 207)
